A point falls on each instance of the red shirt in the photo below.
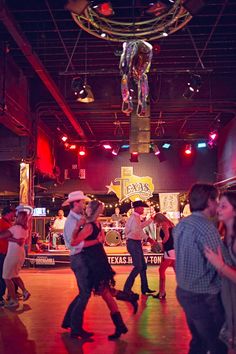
(4, 225)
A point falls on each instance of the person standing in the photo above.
(168, 259)
(73, 318)
(134, 234)
(58, 227)
(198, 284)
(15, 257)
(6, 221)
(227, 267)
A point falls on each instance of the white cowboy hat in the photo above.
(73, 196)
(29, 210)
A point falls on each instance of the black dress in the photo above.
(101, 273)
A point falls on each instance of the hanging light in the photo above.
(213, 135)
(64, 138)
(107, 146)
(103, 8)
(188, 149)
(115, 150)
(82, 151)
(134, 156)
(156, 150)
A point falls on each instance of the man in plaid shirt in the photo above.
(198, 284)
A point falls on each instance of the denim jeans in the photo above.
(205, 317)
(74, 314)
(2, 281)
(140, 267)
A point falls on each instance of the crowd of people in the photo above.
(203, 259)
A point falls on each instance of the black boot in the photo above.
(130, 297)
(119, 324)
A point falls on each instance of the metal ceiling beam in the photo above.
(15, 31)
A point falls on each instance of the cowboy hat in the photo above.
(27, 208)
(76, 195)
(139, 203)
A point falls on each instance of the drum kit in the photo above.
(114, 234)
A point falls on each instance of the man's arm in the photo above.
(5, 234)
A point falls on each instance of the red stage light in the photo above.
(82, 151)
(188, 149)
(72, 147)
(64, 138)
(104, 9)
(213, 135)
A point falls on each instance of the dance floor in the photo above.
(34, 328)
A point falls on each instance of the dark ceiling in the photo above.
(206, 46)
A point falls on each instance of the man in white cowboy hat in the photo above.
(134, 234)
(74, 315)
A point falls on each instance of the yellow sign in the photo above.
(131, 186)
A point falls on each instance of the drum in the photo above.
(112, 238)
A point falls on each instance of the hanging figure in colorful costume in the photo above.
(135, 62)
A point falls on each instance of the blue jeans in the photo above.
(205, 317)
(140, 267)
(75, 312)
(2, 281)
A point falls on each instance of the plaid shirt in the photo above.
(193, 271)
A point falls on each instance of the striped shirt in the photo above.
(193, 271)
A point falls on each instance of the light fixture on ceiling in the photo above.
(201, 145)
(188, 149)
(157, 8)
(194, 83)
(102, 7)
(107, 145)
(156, 149)
(115, 150)
(134, 156)
(81, 89)
(166, 145)
(81, 151)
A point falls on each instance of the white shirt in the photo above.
(59, 224)
(134, 227)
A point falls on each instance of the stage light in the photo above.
(115, 150)
(166, 146)
(82, 151)
(103, 8)
(157, 8)
(213, 135)
(134, 157)
(201, 145)
(195, 82)
(107, 146)
(188, 149)
(82, 91)
(64, 138)
(156, 150)
(72, 147)
(125, 146)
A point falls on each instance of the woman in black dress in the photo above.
(101, 275)
(168, 259)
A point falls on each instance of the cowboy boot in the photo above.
(129, 297)
(119, 325)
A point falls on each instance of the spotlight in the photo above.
(156, 150)
(213, 135)
(103, 8)
(82, 90)
(82, 151)
(195, 82)
(134, 157)
(157, 8)
(72, 147)
(188, 149)
(115, 150)
(166, 146)
(107, 146)
(201, 145)
(64, 138)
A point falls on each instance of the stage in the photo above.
(117, 255)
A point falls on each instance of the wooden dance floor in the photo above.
(34, 328)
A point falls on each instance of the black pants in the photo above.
(205, 317)
(2, 281)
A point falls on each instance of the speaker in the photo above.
(193, 6)
(139, 134)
